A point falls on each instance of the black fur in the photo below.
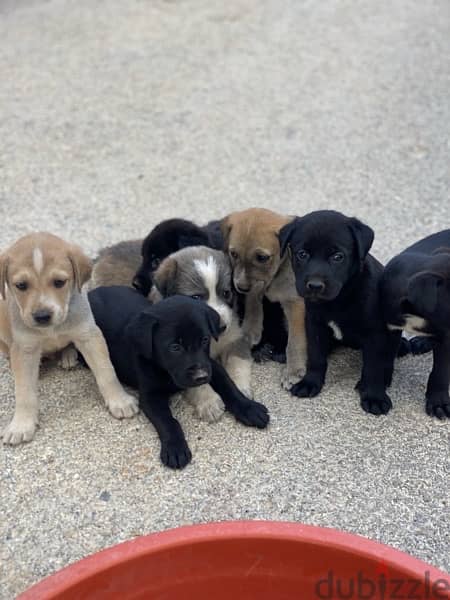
(339, 281)
(417, 283)
(168, 237)
(162, 349)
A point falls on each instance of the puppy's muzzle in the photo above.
(42, 318)
(198, 375)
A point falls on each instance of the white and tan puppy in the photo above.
(44, 309)
(205, 274)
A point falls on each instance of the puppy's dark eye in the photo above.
(226, 295)
(176, 348)
(205, 341)
(233, 254)
(197, 297)
(59, 283)
(262, 258)
(22, 286)
(337, 257)
(155, 263)
(302, 255)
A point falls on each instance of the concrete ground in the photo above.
(115, 115)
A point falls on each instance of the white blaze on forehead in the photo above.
(209, 272)
(38, 260)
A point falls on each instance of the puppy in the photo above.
(205, 274)
(162, 349)
(339, 281)
(415, 292)
(251, 240)
(133, 262)
(43, 309)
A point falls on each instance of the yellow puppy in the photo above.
(43, 309)
(251, 239)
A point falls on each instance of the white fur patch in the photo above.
(336, 330)
(412, 324)
(209, 271)
(38, 260)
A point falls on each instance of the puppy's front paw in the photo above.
(252, 414)
(376, 405)
(175, 454)
(438, 405)
(308, 387)
(289, 378)
(208, 405)
(19, 430)
(69, 358)
(122, 405)
(421, 344)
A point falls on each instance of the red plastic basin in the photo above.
(246, 560)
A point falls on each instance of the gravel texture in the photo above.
(115, 115)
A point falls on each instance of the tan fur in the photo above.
(117, 264)
(248, 234)
(42, 261)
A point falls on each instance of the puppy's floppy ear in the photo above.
(213, 320)
(141, 332)
(363, 236)
(285, 234)
(165, 277)
(4, 260)
(423, 292)
(225, 229)
(81, 266)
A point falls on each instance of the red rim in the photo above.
(150, 544)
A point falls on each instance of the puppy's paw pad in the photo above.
(376, 405)
(123, 406)
(209, 408)
(19, 431)
(253, 414)
(69, 358)
(438, 406)
(306, 388)
(175, 455)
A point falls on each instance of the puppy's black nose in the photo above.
(315, 285)
(42, 317)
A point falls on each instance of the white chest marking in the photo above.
(38, 260)
(336, 330)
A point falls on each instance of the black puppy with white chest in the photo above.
(163, 349)
(339, 281)
(416, 297)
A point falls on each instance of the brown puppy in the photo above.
(251, 239)
(43, 310)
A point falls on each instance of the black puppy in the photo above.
(162, 349)
(416, 297)
(168, 237)
(339, 281)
